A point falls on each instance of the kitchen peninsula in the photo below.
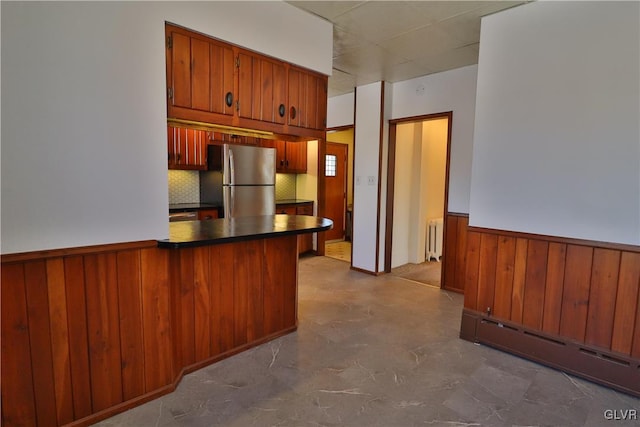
(97, 330)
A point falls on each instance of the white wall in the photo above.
(365, 195)
(455, 91)
(557, 141)
(340, 110)
(83, 110)
(407, 177)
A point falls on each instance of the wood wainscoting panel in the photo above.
(602, 297)
(87, 334)
(504, 276)
(130, 313)
(573, 305)
(103, 325)
(40, 337)
(578, 290)
(627, 315)
(454, 252)
(554, 286)
(18, 400)
(575, 295)
(78, 343)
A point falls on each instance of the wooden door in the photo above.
(336, 188)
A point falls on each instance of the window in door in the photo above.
(330, 165)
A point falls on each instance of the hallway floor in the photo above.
(377, 351)
(427, 272)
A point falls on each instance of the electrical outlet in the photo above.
(371, 180)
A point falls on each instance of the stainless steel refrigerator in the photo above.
(248, 179)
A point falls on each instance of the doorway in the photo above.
(338, 191)
(417, 197)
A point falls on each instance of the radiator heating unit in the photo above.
(434, 239)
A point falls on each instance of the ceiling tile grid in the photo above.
(400, 40)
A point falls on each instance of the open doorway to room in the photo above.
(417, 197)
(338, 190)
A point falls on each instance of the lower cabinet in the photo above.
(305, 241)
(205, 214)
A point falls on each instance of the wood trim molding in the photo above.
(556, 239)
(460, 214)
(380, 154)
(340, 128)
(361, 270)
(81, 250)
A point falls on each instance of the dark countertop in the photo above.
(188, 234)
(182, 207)
(292, 201)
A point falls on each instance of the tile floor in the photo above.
(378, 351)
(339, 250)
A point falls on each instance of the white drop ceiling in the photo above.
(400, 40)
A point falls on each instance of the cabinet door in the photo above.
(304, 209)
(286, 209)
(261, 88)
(321, 122)
(187, 148)
(206, 214)
(295, 97)
(281, 156)
(179, 70)
(200, 74)
(307, 99)
(297, 157)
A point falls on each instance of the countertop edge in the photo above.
(324, 224)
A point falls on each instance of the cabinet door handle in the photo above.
(228, 99)
(292, 112)
(282, 110)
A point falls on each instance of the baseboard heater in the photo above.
(604, 367)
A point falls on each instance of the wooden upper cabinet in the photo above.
(215, 82)
(262, 88)
(187, 148)
(307, 99)
(291, 157)
(200, 76)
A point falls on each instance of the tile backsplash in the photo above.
(285, 186)
(184, 186)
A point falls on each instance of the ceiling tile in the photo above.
(436, 11)
(366, 59)
(400, 40)
(424, 41)
(326, 9)
(380, 20)
(343, 42)
(448, 60)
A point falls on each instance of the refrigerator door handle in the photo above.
(232, 171)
